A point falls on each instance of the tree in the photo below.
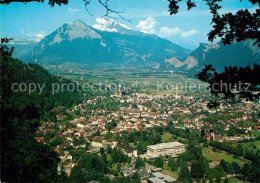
(172, 163)
(136, 178)
(230, 169)
(158, 162)
(131, 137)
(196, 170)
(246, 170)
(238, 26)
(21, 155)
(205, 143)
(216, 172)
(57, 140)
(236, 167)
(184, 174)
(87, 146)
(232, 85)
(226, 180)
(23, 159)
(203, 180)
(103, 3)
(224, 165)
(210, 180)
(139, 163)
(102, 150)
(141, 147)
(51, 2)
(218, 179)
(155, 138)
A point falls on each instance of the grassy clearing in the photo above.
(226, 157)
(207, 155)
(166, 137)
(167, 171)
(109, 158)
(256, 133)
(221, 155)
(171, 173)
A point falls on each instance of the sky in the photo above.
(187, 28)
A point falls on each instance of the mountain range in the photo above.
(238, 54)
(114, 43)
(109, 43)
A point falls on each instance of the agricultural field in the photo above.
(150, 81)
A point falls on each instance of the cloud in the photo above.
(36, 36)
(40, 36)
(108, 25)
(147, 25)
(167, 32)
(189, 33)
(105, 25)
(73, 10)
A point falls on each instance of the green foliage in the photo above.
(22, 158)
(136, 178)
(244, 80)
(216, 172)
(51, 2)
(226, 147)
(196, 170)
(111, 125)
(141, 147)
(236, 167)
(139, 163)
(158, 162)
(172, 163)
(109, 136)
(94, 167)
(109, 104)
(226, 180)
(237, 26)
(57, 140)
(184, 174)
(205, 143)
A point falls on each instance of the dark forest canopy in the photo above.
(23, 159)
(237, 26)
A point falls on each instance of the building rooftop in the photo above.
(168, 178)
(155, 180)
(158, 174)
(165, 145)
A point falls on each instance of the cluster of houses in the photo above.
(138, 111)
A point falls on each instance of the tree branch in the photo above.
(51, 2)
(239, 26)
(109, 11)
(20, 1)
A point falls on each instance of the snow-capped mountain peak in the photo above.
(111, 26)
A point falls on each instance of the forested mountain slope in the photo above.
(23, 159)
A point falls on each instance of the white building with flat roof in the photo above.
(172, 148)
